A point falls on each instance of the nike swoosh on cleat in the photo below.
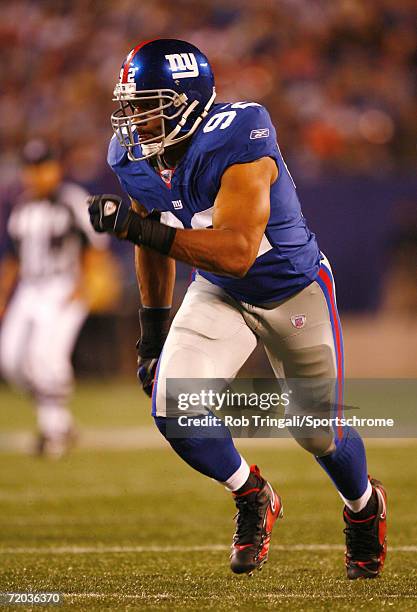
(272, 502)
(242, 546)
(384, 508)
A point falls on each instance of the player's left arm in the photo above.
(241, 212)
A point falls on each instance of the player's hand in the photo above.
(108, 213)
(146, 373)
(154, 324)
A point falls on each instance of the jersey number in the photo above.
(219, 120)
(223, 120)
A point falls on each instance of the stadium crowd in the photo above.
(337, 77)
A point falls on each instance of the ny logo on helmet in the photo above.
(184, 64)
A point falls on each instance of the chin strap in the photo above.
(170, 139)
(158, 148)
(151, 149)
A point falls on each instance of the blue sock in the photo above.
(215, 457)
(346, 466)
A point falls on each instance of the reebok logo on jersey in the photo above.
(109, 208)
(177, 204)
(260, 133)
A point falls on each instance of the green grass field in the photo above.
(127, 526)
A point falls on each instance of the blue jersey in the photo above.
(288, 256)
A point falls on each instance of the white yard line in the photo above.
(81, 550)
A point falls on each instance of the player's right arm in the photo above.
(156, 278)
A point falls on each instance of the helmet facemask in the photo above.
(139, 108)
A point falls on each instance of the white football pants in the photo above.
(37, 337)
(212, 335)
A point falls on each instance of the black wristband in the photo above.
(154, 326)
(150, 233)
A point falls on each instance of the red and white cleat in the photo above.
(258, 509)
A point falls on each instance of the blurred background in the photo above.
(339, 79)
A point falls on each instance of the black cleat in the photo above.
(366, 545)
(258, 509)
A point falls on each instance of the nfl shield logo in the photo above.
(166, 176)
(298, 320)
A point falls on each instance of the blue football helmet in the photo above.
(165, 79)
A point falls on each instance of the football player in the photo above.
(50, 237)
(209, 187)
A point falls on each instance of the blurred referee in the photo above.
(49, 236)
